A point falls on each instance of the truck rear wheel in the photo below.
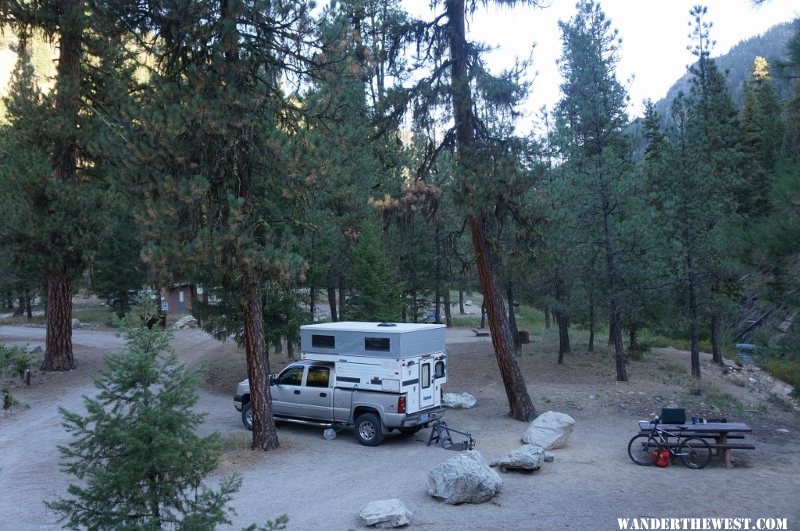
(368, 429)
(247, 416)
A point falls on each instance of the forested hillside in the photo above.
(279, 156)
(737, 64)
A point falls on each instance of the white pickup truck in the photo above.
(376, 377)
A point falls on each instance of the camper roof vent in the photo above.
(387, 324)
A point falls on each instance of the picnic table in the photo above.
(720, 432)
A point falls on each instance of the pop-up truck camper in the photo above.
(376, 377)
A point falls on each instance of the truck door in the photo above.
(317, 393)
(286, 399)
(426, 388)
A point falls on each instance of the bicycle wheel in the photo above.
(694, 452)
(641, 448)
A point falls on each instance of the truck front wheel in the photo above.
(368, 429)
(247, 416)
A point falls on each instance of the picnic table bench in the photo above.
(719, 432)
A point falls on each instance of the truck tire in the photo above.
(368, 429)
(247, 416)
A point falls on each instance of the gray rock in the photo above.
(526, 458)
(549, 430)
(186, 322)
(34, 349)
(548, 457)
(76, 324)
(459, 400)
(465, 478)
(385, 514)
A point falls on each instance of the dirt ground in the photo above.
(322, 484)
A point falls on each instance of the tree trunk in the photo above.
(632, 338)
(342, 299)
(438, 289)
(461, 302)
(448, 317)
(615, 324)
(716, 345)
(518, 398)
(591, 320)
(58, 352)
(58, 341)
(546, 317)
(694, 334)
(20, 307)
(28, 309)
(512, 318)
(312, 306)
(483, 312)
(289, 349)
(332, 302)
(562, 318)
(265, 435)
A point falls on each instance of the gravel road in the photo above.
(322, 484)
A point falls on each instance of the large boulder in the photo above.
(459, 400)
(549, 430)
(526, 458)
(385, 514)
(185, 322)
(465, 478)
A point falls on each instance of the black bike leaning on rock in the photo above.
(693, 451)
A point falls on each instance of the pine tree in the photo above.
(695, 186)
(762, 128)
(457, 68)
(219, 159)
(136, 453)
(62, 202)
(590, 132)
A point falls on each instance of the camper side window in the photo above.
(380, 344)
(320, 341)
(318, 377)
(438, 371)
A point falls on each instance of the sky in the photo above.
(655, 34)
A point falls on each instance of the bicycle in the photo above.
(693, 451)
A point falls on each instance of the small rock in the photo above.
(76, 324)
(548, 457)
(525, 458)
(782, 430)
(385, 514)
(33, 349)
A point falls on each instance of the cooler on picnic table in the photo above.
(673, 416)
